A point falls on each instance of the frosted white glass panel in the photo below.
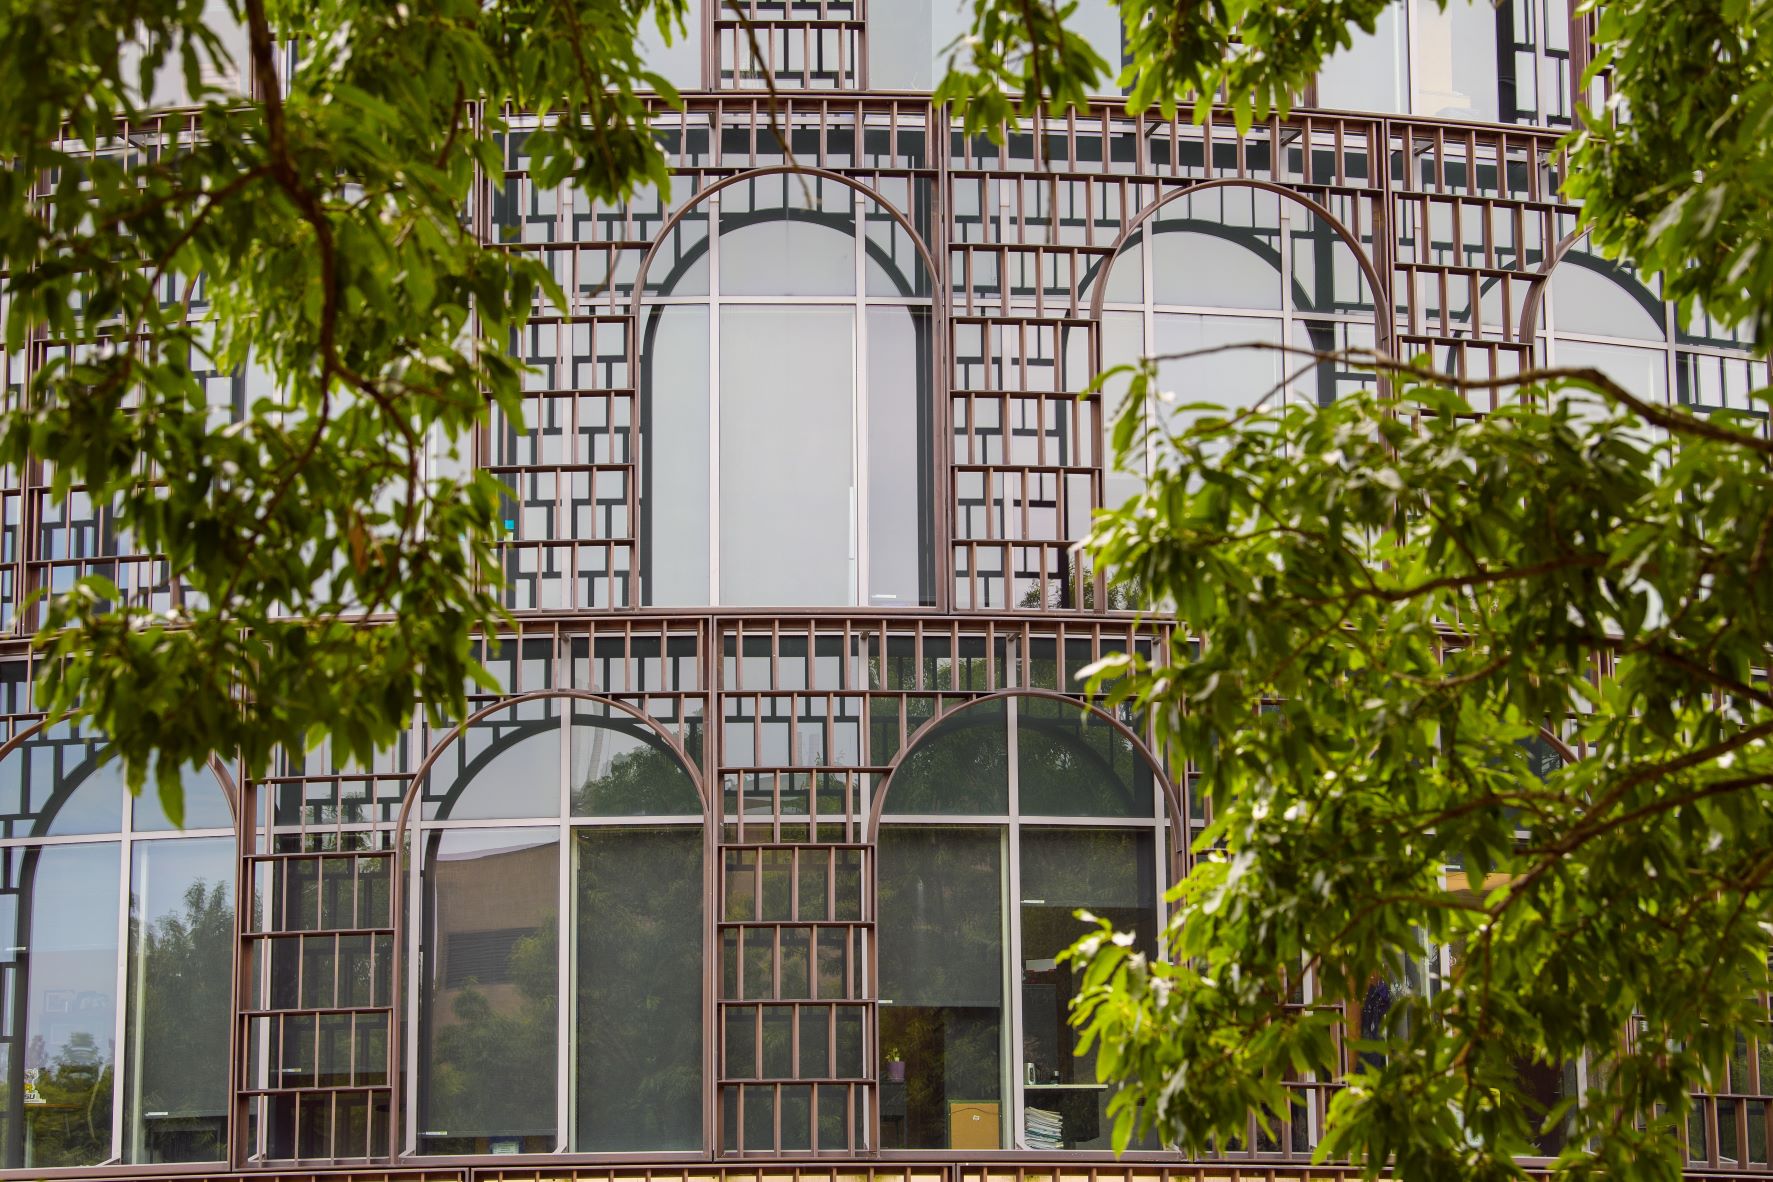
(773, 243)
(900, 566)
(1588, 301)
(675, 478)
(1642, 371)
(681, 61)
(1455, 60)
(1234, 378)
(787, 476)
(902, 50)
(1373, 74)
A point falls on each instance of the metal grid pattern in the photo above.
(789, 44)
(1457, 227)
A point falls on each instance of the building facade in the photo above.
(760, 860)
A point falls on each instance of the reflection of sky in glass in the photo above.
(166, 870)
(73, 948)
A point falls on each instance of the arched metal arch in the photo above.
(1382, 328)
(1535, 301)
(1172, 797)
(402, 851)
(229, 792)
(485, 712)
(672, 222)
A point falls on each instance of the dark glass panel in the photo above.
(60, 1091)
(1071, 763)
(961, 767)
(941, 967)
(638, 1046)
(621, 767)
(1112, 874)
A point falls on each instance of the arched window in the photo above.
(116, 962)
(997, 826)
(559, 824)
(1227, 266)
(786, 406)
(1602, 314)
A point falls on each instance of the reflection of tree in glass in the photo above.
(639, 988)
(490, 1068)
(960, 766)
(1075, 764)
(642, 779)
(180, 1033)
(72, 1124)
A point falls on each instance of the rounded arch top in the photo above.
(989, 710)
(1369, 272)
(654, 732)
(89, 796)
(823, 175)
(1533, 309)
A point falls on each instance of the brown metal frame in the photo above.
(1455, 227)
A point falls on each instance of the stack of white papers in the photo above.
(1043, 1129)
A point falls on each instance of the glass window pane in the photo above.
(1642, 371)
(1112, 873)
(674, 489)
(680, 62)
(1455, 65)
(489, 1027)
(787, 478)
(941, 968)
(638, 1042)
(901, 559)
(961, 767)
(902, 51)
(1234, 378)
(1373, 73)
(1594, 298)
(505, 765)
(1218, 249)
(621, 768)
(65, 970)
(206, 807)
(1071, 763)
(180, 957)
(772, 244)
(69, 790)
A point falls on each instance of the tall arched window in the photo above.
(786, 406)
(559, 824)
(997, 826)
(116, 962)
(1227, 266)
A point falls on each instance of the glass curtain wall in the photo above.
(786, 419)
(117, 963)
(561, 859)
(1004, 821)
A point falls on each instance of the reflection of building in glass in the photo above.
(767, 843)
